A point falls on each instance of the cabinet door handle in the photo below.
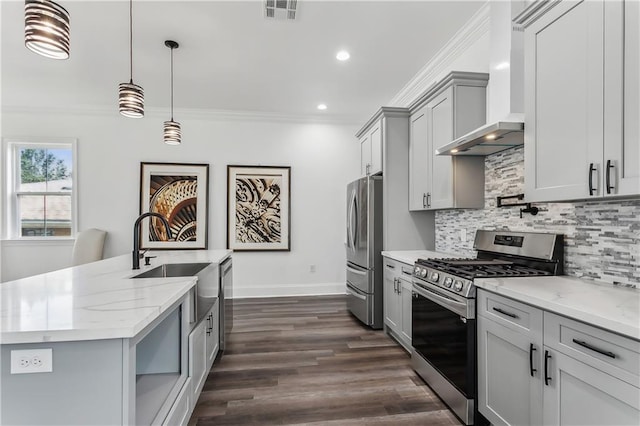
(608, 177)
(428, 199)
(531, 350)
(391, 266)
(591, 170)
(509, 314)
(424, 200)
(547, 379)
(593, 348)
(395, 285)
(399, 286)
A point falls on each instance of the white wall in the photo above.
(323, 157)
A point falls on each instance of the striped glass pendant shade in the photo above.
(131, 100)
(46, 28)
(172, 133)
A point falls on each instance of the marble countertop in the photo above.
(615, 309)
(93, 301)
(410, 256)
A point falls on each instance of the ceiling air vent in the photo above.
(280, 9)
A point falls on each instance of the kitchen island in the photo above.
(117, 348)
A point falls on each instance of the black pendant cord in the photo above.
(172, 84)
(131, 41)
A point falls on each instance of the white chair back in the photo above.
(88, 246)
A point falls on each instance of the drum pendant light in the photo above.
(46, 28)
(172, 135)
(130, 95)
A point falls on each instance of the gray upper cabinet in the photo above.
(371, 149)
(386, 137)
(581, 100)
(449, 109)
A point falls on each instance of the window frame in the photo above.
(11, 148)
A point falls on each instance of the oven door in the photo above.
(444, 334)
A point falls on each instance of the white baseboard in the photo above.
(316, 289)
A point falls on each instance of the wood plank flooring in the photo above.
(306, 360)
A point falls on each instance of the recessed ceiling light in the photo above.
(342, 55)
(322, 107)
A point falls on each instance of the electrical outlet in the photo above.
(312, 268)
(32, 361)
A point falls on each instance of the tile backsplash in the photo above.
(602, 238)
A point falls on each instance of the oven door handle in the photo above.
(447, 302)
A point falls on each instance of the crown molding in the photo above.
(442, 61)
(189, 114)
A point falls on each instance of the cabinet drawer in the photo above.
(397, 268)
(514, 315)
(617, 355)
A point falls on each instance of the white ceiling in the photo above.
(231, 58)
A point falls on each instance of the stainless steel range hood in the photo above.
(486, 140)
(505, 91)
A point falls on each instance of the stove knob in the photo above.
(416, 271)
(448, 281)
(423, 273)
(435, 276)
(457, 286)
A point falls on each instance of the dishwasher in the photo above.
(225, 295)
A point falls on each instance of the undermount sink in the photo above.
(173, 270)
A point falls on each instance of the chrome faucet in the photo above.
(136, 235)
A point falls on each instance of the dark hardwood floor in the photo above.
(306, 360)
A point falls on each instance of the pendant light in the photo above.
(131, 96)
(46, 28)
(172, 135)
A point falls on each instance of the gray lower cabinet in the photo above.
(203, 349)
(536, 367)
(397, 301)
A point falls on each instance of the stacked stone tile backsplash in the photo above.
(602, 238)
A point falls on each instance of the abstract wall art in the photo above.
(258, 208)
(179, 192)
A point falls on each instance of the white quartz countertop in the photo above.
(410, 256)
(93, 301)
(612, 308)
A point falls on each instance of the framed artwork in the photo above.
(179, 192)
(258, 208)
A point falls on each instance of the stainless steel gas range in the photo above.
(444, 309)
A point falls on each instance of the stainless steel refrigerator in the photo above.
(364, 244)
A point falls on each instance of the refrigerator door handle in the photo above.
(354, 294)
(356, 271)
(352, 222)
(354, 211)
(349, 220)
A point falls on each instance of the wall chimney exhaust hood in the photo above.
(505, 117)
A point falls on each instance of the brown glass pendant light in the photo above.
(131, 96)
(172, 132)
(46, 28)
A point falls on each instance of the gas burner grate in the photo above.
(481, 268)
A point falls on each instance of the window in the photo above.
(41, 200)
